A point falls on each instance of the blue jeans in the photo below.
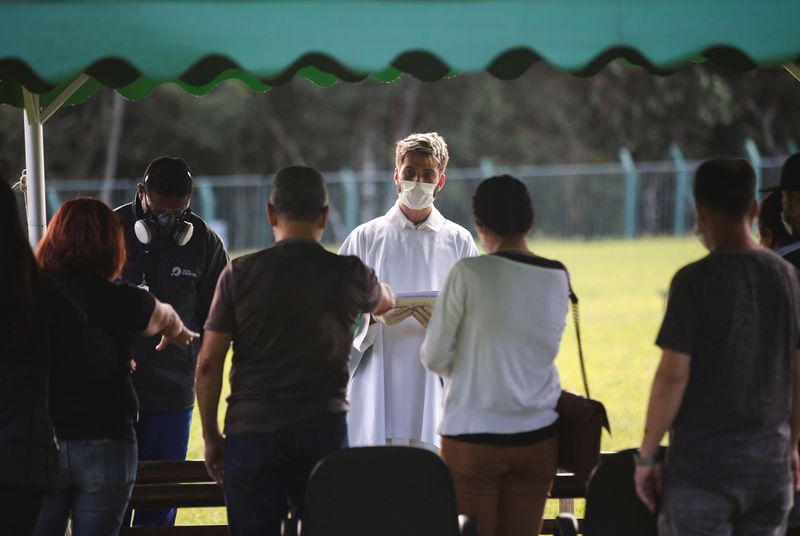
(699, 511)
(266, 473)
(93, 486)
(162, 435)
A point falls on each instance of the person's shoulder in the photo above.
(477, 266)
(363, 235)
(694, 268)
(250, 259)
(456, 229)
(369, 226)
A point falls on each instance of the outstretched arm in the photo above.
(166, 322)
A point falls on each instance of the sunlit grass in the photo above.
(622, 287)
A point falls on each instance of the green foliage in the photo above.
(544, 116)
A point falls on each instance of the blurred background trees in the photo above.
(542, 117)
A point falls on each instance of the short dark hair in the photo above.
(170, 176)
(503, 205)
(769, 218)
(299, 193)
(726, 185)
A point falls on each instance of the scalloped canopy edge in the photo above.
(133, 47)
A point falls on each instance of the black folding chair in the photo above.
(612, 506)
(391, 491)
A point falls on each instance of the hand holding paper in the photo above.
(394, 315)
(417, 304)
(423, 314)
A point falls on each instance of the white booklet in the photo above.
(411, 304)
(416, 299)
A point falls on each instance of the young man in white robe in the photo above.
(394, 400)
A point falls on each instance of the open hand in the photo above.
(648, 482)
(394, 315)
(183, 338)
(215, 458)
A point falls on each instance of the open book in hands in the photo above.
(418, 305)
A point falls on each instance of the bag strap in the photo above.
(576, 318)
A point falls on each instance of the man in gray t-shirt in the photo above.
(725, 387)
(290, 311)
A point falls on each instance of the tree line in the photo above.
(542, 117)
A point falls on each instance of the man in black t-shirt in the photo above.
(727, 385)
(290, 311)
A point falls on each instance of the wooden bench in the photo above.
(183, 484)
(186, 484)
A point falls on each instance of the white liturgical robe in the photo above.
(391, 395)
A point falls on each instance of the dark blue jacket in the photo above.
(184, 277)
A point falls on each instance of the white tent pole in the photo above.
(34, 154)
(793, 69)
(34, 163)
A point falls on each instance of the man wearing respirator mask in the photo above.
(412, 248)
(175, 255)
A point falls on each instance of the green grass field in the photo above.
(622, 287)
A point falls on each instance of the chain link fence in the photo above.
(588, 201)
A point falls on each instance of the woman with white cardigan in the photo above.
(493, 337)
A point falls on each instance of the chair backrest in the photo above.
(612, 506)
(391, 491)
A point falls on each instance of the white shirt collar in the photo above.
(434, 223)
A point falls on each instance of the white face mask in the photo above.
(417, 195)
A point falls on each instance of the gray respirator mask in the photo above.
(162, 229)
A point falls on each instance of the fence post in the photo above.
(209, 202)
(350, 198)
(487, 167)
(681, 181)
(53, 199)
(631, 187)
(755, 160)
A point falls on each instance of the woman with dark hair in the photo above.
(494, 336)
(93, 406)
(27, 445)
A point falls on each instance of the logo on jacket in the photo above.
(177, 271)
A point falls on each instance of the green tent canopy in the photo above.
(59, 52)
(133, 46)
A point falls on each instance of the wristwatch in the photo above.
(646, 461)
